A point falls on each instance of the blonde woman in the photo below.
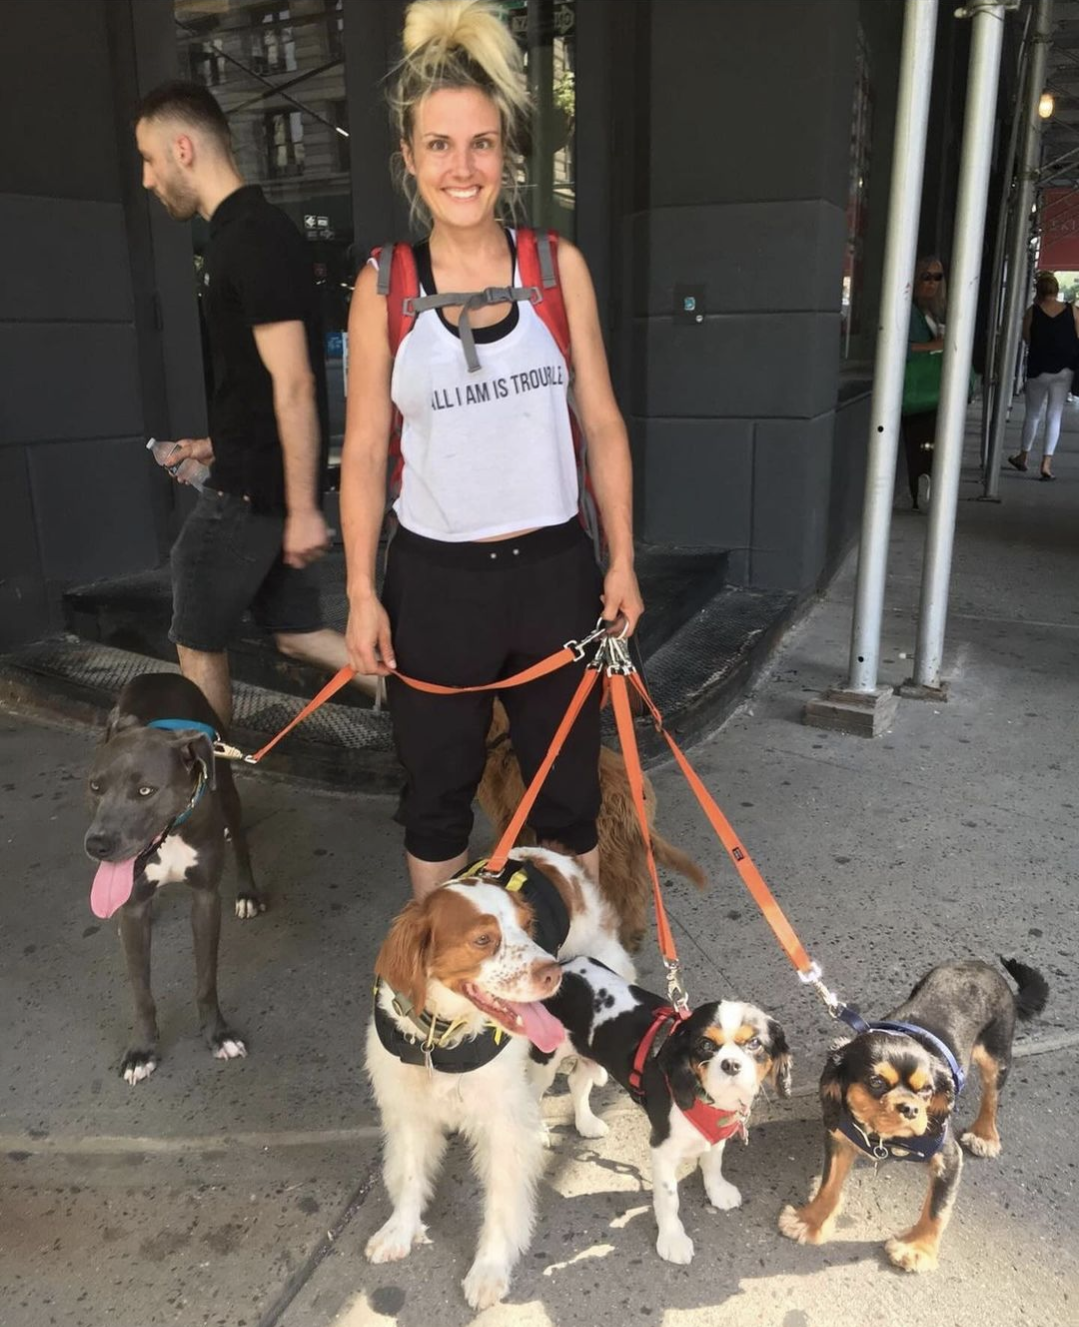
(1051, 331)
(489, 569)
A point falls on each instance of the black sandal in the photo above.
(1013, 461)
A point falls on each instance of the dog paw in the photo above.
(486, 1284)
(591, 1126)
(978, 1146)
(723, 1195)
(911, 1257)
(394, 1241)
(249, 905)
(599, 1076)
(675, 1246)
(794, 1225)
(227, 1045)
(137, 1065)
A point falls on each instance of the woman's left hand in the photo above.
(622, 596)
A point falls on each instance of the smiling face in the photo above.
(455, 154)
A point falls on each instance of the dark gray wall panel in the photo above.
(751, 100)
(58, 139)
(698, 482)
(24, 611)
(748, 365)
(792, 474)
(93, 505)
(68, 380)
(750, 256)
(72, 260)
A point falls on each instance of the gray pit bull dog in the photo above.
(161, 808)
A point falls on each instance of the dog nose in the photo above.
(99, 844)
(548, 977)
(908, 1109)
(731, 1067)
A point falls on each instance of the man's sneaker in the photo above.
(923, 492)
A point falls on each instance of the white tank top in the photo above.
(490, 452)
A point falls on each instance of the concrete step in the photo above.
(339, 745)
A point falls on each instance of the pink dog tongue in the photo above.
(112, 887)
(540, 1026)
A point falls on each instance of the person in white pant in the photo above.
(1051, 330)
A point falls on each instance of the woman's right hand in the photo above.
(368, 639)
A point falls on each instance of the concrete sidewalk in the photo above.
(242, 1193)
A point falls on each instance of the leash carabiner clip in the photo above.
(224, 751)
(579, 646)
(813, 976)
(676, 992)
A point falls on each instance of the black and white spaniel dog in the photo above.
(696, 1077)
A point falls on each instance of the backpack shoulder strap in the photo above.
(537, 258)
(399, 281)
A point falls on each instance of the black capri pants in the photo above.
(463, 614)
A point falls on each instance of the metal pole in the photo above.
(1006, 220)
(904, 203)
(1020, 237)
(978, 125)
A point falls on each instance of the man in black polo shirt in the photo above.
(258, 524)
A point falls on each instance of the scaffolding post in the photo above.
(1029, 154)
(862, 706)
(978, 126)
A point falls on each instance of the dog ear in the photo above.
(118, 721)
(943, 1099)
(833, 1084)
(197, 749)
(402, 960)
(782, 1060)
(677, 1064)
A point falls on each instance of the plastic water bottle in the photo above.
(187, 471)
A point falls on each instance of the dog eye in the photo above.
(876, 1083)
(147, 791)
(483, 941)
(753, 1044)
(706, 1048)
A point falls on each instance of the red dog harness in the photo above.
(715, 1125)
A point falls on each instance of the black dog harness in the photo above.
(898, 1149)
(713, 1124)
(428, 1045)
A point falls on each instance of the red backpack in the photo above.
(537, 262)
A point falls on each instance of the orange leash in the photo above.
(569, 653)
(498, 858)
(744, 864)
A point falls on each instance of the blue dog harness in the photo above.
(898, 1149)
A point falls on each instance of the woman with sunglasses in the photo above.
(1051, 330)
(926, 337)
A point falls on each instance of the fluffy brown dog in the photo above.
(623, 867)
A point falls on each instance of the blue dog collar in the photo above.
(182, 725)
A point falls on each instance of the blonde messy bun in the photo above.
(460, 44)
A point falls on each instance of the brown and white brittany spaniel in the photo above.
(462, 976)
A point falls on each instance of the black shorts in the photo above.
(226, 560)
(464, 614)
